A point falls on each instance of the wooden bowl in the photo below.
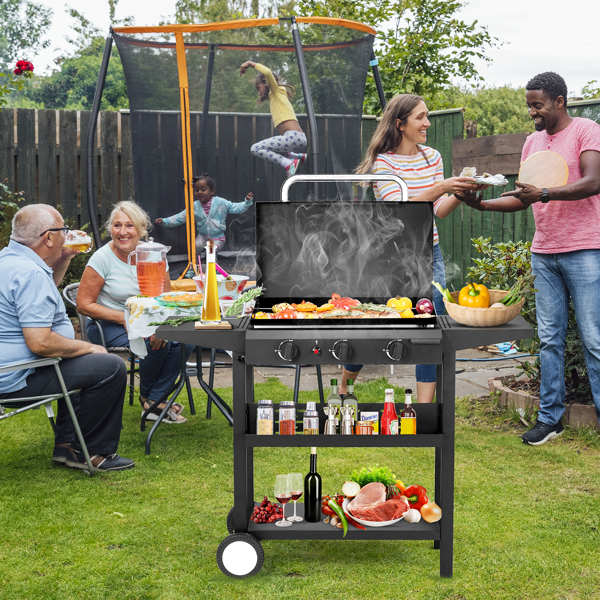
(484, 317)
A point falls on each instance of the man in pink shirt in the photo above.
(566, 246)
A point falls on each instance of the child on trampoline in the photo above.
(210, 213)
(288, 148)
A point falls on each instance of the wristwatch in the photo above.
(545, 196)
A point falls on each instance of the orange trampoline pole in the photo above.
(186, 147)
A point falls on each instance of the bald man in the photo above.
(34, 324)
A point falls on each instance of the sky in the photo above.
(554, 35)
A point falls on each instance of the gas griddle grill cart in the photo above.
(241, 554)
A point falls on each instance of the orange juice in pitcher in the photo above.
(150, 267)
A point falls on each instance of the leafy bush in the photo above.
(498, 268)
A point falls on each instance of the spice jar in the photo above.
(311, 419)
(364, 428)
(287, 418)
(265, 417)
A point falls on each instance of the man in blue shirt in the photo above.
(34, 324)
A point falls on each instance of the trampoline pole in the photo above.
(310, 109)
(204, 122)
(379, 85)
(91, 134)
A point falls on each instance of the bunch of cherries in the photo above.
(266, 512)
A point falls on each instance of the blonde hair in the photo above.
(387, 136)
(139, 217)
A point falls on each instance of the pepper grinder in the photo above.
(347, 428)
(330, 428)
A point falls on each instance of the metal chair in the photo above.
(70, 296)
(22, 405)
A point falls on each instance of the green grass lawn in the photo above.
(527, 520)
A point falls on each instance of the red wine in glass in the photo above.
(284, 498)
(296, 495)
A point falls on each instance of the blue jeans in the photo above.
(158, 371)
(425, 373)
(574, 275)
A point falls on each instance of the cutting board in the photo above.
(544, 170)
(221, 325)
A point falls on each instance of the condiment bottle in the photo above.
(287, 418)
(334, 399)
(311, 419)
(211, 312)
(352, 401)
(408, 417)
(265, 417)
(389, 419)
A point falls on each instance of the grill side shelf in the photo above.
(429, 430)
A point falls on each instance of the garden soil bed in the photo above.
(521, 393)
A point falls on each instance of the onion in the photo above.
(412, 516)
(431, 512)
(497, 305)
(350, 489)
(424, 306)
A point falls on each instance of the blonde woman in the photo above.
(105, 286)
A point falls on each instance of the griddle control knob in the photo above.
(395, 350)
(287, 350)
(341, 350)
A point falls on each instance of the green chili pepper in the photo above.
(337, 509)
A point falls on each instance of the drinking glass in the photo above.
(296, 481)
(282, 493)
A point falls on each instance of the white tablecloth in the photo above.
(140, 312)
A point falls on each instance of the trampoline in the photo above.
(192, 113)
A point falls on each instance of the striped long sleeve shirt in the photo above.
(418, 172)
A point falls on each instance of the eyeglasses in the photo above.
(65, 229)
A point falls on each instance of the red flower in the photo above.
(23, 66)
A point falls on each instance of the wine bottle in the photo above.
(312, 491)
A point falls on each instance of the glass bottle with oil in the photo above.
(408, 417)
(211, 312)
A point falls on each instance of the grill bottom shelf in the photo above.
(323, 531)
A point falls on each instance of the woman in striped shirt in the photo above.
(397, 148)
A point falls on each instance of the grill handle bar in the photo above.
(332, 178)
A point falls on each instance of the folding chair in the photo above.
(32, 402)
(70, 296)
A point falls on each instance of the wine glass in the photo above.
(296, 481)
(282, 493)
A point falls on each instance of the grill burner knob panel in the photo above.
(341, 350)
(287, 350)
(395, 350)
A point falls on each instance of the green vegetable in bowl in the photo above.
(236, 308)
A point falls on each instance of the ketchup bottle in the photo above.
(389, 419)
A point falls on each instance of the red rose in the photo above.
(18, 72)
(22, 66)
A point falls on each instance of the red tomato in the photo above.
(285, 314)
(344, 303)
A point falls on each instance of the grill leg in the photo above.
(297, 383)
(320, 382)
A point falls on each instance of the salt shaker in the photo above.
(347, 428)
(265, 417)
(311, 419)
(330, 427)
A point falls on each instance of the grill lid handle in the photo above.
(349, 178)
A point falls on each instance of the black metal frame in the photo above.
(436, 428)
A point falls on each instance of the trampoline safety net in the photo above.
(337, 60)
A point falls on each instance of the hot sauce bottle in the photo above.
(389, 419)
(408, 417)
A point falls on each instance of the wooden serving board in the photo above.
(221, 325)
(544, 170)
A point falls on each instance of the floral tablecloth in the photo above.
(140, 312)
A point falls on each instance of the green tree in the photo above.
(421, 45)
(496, 109)
(24, 25)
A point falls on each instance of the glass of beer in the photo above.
(78, 240)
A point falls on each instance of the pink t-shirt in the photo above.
(566, 225)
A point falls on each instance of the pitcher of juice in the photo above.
(150, 267)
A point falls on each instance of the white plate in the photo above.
(369, 523)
